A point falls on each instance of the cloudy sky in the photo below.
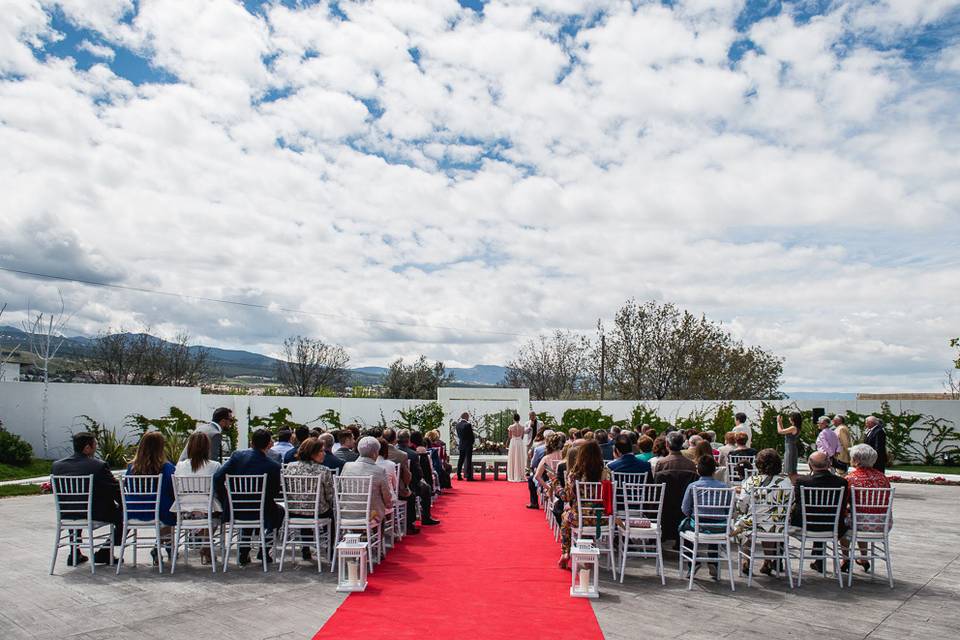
(428, 176)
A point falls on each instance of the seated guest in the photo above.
(864, 476)
(346, 451)
(690, 452)
(729, 444)
(222, 421)
(151, 460)
(366, 465)
(573, 434)
(105, 490)
(645, 448)
(820, 477)
(420, 487)
(587, 467)
(417, 443)
(197, 463)
(309, 462)
(742, 448)
(676, 472)
(624, 459)
(538, 452)
(404, 478)
(702, 448)
(329, 460)
(389, 467)
(606, 446)
(301, 433)
(659, 451)
(441, 460)
(283, 445)
(768, 479)
(254, 461)
(706, 467)
(553, 451)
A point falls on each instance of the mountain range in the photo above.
(236, 363)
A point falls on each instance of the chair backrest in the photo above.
(620, 479)
(820, 508)
(770, 508)
(712, 509)
(301, 494)
(353, 496)
(589, 500)
(247, 495)
(141, 496)
(73, 497)
(642, 501)
(193, 493)
(740, 467)
(872, 509)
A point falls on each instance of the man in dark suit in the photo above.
(624, 460)
(254, 461)
(329, 460)
(420, 487)
(348, 443)
(105, 489)
(823, 478)
(676, 471)
(876, 437)
(465, 438)
(300, 434)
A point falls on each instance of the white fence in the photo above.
(20, 408)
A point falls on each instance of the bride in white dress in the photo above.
(517, 454)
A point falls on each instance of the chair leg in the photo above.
(333, 549)
(803, 551)
(226, 546)
(93, 568)
(660, 568)
(56, 549)
(733, 586)
(693, 564)
(786, 561)
(263, 548)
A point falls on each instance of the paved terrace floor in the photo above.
(247, 604)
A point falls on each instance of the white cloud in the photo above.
(492, 173)
(97, 50)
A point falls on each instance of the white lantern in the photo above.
(584, 567)
(352, 559)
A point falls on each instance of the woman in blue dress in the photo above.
(151, 460)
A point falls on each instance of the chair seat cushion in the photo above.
(704, 537)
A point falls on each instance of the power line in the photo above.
(254, 305)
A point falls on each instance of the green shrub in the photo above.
(112, 447)
(642, 414)
(175, 427)
(585, 419)
(723, 421)
(274, 421)
(423, 417)
(14, 449)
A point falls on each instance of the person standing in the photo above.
(827, 442)
(465, 438)
(222, 420)
(790, 435)
(876, 437)
(517, 452)
(743, 426)
(530, 429)
(843, 435)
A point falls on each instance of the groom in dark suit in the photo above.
(466, 439)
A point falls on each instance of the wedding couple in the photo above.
(521, 435)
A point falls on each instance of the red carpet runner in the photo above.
(488, 571)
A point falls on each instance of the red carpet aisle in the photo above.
(488, 571)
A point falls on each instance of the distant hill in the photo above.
(235, 363)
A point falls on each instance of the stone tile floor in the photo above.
(248, 604)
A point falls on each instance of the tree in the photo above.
(952, 383)
(658, 351)
(45, 337)
(9, 355)
(126, 358)
(553, 368)
(310, 365)
(418, 380)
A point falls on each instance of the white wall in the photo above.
(9, 371)
(111, 404)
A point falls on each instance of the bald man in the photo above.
(820, 477)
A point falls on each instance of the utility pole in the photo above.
(603, 360)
